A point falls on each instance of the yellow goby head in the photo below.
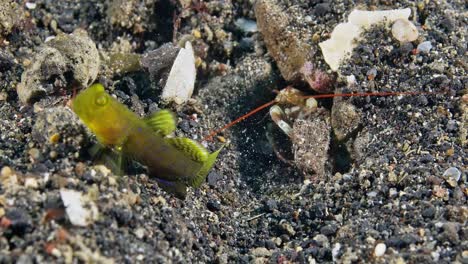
(107, 118)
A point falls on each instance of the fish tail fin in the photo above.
(203, 172)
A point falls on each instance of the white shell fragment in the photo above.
(452, 176)
(80, 210)
(181, 80)
(365, 19)
(404, 31)
(246, 25)
(344, 35)
(380, 249)
(424, 47)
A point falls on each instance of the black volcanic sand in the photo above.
(385, 184)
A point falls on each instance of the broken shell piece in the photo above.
(365, 19)
(344, 35)
(404, 31)
(181, 80)
(81, 211)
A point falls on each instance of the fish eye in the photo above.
(101, 100)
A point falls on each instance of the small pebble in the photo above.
(213, 206)
(6, 172)
(31, 183)
(424, 47)
(452, 176)
(31, 6)
(53, 154)
(351, 79)
(213, 178)
(34, 153)
(270, 205)
(380, 249)
(371, 74)
(261, 252)
(404, 31)
(139, 233)
(54, 139)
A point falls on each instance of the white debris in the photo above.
(80, 210)
(424, 47)
(452, 176)
(246, 25)
(345, 35)
(365, 19)
(31, 183)
(351, 80)
(404, 31)
(181, 80)
(31, 6)
(380, 249)
(336, 251)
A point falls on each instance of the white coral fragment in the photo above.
(180, 83)
(81, 211)
(345, 35)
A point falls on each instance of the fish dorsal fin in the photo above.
(163, 122)
(189, 147)
(203, 172)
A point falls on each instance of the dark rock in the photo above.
(426, 158)
(322, 9)
(269, 244)
(6, 61)
(329, 230)
(122, 216)
(21, 222)
(159, 60)
(213, 178)
(447, 24)
(429, 212)
(185, 126)
(213, 206)
(270, 205)
(318, 211)
(402, 241)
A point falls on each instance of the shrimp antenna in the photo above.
(212, 134)
(317, 96)
(322, 96)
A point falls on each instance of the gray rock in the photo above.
(345, 118)
(311, 142)
(65, 61)
(59, 121)
(11, 15)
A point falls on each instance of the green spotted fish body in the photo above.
(175, 162)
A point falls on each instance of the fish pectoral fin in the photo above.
(178, 188)
(203, 172)
(190, 148)
(163, 122)
(113, 159)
